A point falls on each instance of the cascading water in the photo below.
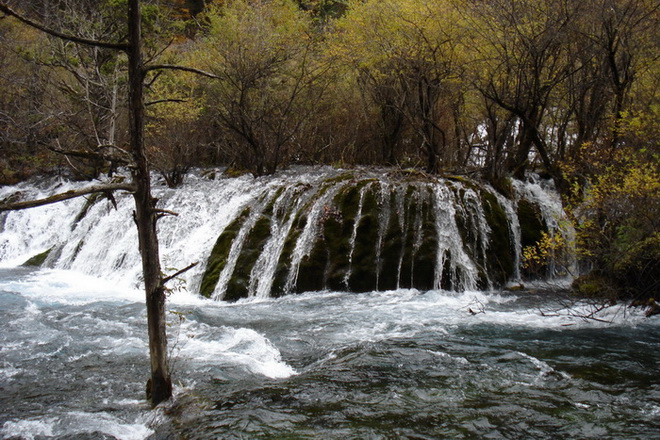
(543, 195)
(514, 228)
(252, 237)
(421, 353)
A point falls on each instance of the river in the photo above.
(400, 364)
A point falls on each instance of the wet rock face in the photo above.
(218, 258)
(360, 233)
(531, 222)
(500, 259)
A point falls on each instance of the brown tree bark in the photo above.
(159, 387)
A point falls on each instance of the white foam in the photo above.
(73, 288)
(238, 346)
(652, 411)
(30, 232)
(76, 423)
(543, 367)
(406, 313)
(441, 354)
(29, 429)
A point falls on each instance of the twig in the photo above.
(176, 274)
(180, 68)
(108, 45)
(164, 212)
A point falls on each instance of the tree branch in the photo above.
(9, 11)
(17, 206)
(161, 101)
(95, 155)
(164, 212)
(182, 68)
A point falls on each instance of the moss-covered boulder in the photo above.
(391, 247)
(420, 242)
(369, 234)
(363, 276)
(239, 282)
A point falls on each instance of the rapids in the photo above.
(325, 365)
(400, 363)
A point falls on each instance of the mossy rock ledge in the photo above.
(369, 235)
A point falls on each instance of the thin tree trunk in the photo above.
(159, 387)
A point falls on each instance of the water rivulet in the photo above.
(306, 230)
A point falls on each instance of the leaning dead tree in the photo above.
(146, 214)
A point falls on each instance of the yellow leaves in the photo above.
(548, 249)
(173, 102)
(642, 128)
(257, 28)
(618, 221)
(254, 44)
(379, 35)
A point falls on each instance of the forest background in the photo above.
(491, 89)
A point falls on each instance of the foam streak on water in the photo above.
(74, 357)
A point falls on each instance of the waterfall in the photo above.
(302, 230)
(514, 228)
(542, 194)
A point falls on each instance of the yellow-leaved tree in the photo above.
(618, 219)
(268, 78)
(407, 59)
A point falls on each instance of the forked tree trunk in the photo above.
(159, 387)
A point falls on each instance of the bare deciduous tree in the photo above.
(146, 214)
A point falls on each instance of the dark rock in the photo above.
(38, 260)
(218, 258)
(500, 257)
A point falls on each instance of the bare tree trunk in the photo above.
(159, 387)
